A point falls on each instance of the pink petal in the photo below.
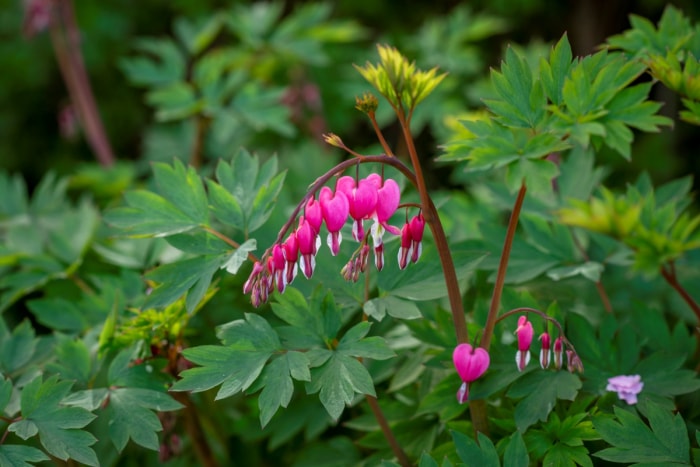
(335, 208)
(470, 363)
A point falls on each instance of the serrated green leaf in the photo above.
(249, 191)
(25, 429)
(73, 360)
(58, 427)
(132, 416)
(167, 66)
(225, 206)
(356, 345)
(251, 343)
(177, 278)
(276, 380)
(634, 441)
(338, 380)
(183, 188)
(554, 71)
(540, 391)
(12, 455)
(148, 214)
(515, 454)
(522, 100)
(473, 454)
(19, 348)
(238, 257)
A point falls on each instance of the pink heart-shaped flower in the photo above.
(470, 362)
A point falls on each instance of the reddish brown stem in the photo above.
(388, 433)
(669, 273)
(193, 425)
(65, 38)
(502, 267)
(432, 219)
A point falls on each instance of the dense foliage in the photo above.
(456, 272)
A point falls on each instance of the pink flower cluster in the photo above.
(372, 198)
(525, 333)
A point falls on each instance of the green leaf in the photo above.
(398, 308)
(5, 393)
(554, 71)
(148, 214)
(540, 391)
(356, 345)
(176, 279)
(131, 416)
(473, 454)
(313, 323)
(73, 360)
(167, 65)
(20, 456)
(238, 257)
(183, 188)
(246, 192)
(338, 380)
(516, 452)
(58, 313)
(278, 387)
(19, 348)
(522, 101)
(664, 441)
(251, 342)
(58, 426)
(428, 281)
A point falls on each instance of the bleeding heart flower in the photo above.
(362, 200)
(470, 364)
(306, 237)
(417, 227)
(335, 209)
(524, 333)
(545, 351)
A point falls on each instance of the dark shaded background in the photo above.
(32, 91)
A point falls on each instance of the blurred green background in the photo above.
(32, 92)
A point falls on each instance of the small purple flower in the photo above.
(626, 387)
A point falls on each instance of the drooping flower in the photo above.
(626, 387)
(335, 208)
(388, 200)
(417, 226)
(313, 213)
(573, 362)
(545, 351)
(290, 249)
(276, 265)
(470, 364)
(306, 238)
(253, 278)
(558, 353)
(406, 245)
(524, 332)
(362, 201)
